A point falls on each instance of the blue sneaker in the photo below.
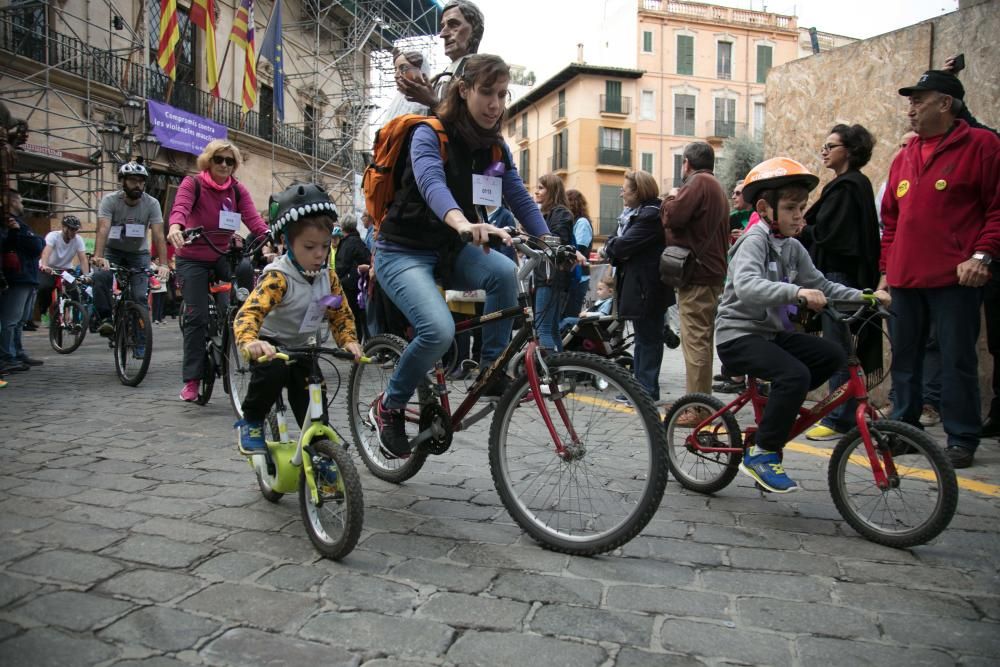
(139, 352)
(765, 468)
(251, 437)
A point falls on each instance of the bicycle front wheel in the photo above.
(236, 374)
(68, 328)
(333, 525)
(207, 382)
(922, 494)
(608, 484)
(133, 343)
(365, 385)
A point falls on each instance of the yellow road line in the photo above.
(963, 482)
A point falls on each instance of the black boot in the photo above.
(991, 428)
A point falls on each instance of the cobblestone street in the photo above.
(133, 533)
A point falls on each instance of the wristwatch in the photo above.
(983, 258)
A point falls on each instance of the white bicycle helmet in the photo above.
(132, 169)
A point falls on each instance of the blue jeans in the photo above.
(12, 304)
(647, 353)
(549, 304)
(954, 312)
(408, 279)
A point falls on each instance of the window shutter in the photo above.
(763, 62)
(685, 54)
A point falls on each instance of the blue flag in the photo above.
(270, 48)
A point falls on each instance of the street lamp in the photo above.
(132, 109)
(148, 146)
(112, 138)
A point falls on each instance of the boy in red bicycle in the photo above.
(290, 305)
(769, 272)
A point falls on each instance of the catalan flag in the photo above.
(243, 35)
(203, 16)
(242, 24)
(169, 37)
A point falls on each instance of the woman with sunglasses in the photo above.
(214, 200)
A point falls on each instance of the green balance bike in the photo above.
(317, 466)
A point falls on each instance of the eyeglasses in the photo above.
(228, 161)
(737, 193)
(826, 148)
(403, 69)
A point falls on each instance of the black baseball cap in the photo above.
(937, 80)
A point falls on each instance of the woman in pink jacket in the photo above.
(214, 200)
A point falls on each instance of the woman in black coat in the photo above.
(641, 297)
(352, 260)
(842, 237)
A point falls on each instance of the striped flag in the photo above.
(242, 24)
(203, 15)
(250, 58)
(169, 37)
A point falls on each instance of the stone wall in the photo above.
(858, 83)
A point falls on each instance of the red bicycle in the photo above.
(68, 317)
(889, 480)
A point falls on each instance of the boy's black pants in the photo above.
(794, 363)
(266, 382)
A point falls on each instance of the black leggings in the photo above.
(267, 381)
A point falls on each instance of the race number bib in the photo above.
(316, 312)
(230, 221)
(486, 190)
(115, 233)
(68, 277)
(134, 230)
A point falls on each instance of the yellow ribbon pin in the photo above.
(902, 189)
(941, 184)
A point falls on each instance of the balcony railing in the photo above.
(558, 112)
(716, 14)
(616, 105)
(68, 54)
(616, 157)
(724, 128)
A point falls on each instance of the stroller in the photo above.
(603, 335)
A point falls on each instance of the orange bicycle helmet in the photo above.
(778, 172)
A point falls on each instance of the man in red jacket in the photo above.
(941, 211)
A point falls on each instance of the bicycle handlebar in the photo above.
(291, 354)
(248, 248)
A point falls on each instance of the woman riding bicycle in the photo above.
(215, 201)
(420, 237)
(769, 271)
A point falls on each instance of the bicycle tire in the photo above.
(622, 460)
(365, 384)
(933, 484)
(236, 375)
(719, 468)
(334, 526)
(207, 382)
(265, 479)
(71, 322)
(132, 317)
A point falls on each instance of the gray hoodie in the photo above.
(764, 276)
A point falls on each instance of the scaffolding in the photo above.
(69, 74)
(352, 69)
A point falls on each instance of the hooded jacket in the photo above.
(939, 213)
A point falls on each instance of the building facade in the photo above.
(700, 73)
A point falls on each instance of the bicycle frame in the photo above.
(526, 339)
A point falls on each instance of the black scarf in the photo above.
(474, 136)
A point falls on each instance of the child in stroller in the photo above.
(598, 331)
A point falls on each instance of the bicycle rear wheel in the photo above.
(265, 470)
(365, 385)
(236, 375)
(704, 472)
(334, 525)
(921, 497)
(68, 328)
(133, 343)
(608, 485)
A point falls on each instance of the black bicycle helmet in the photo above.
(71, 221)
(298, 201)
